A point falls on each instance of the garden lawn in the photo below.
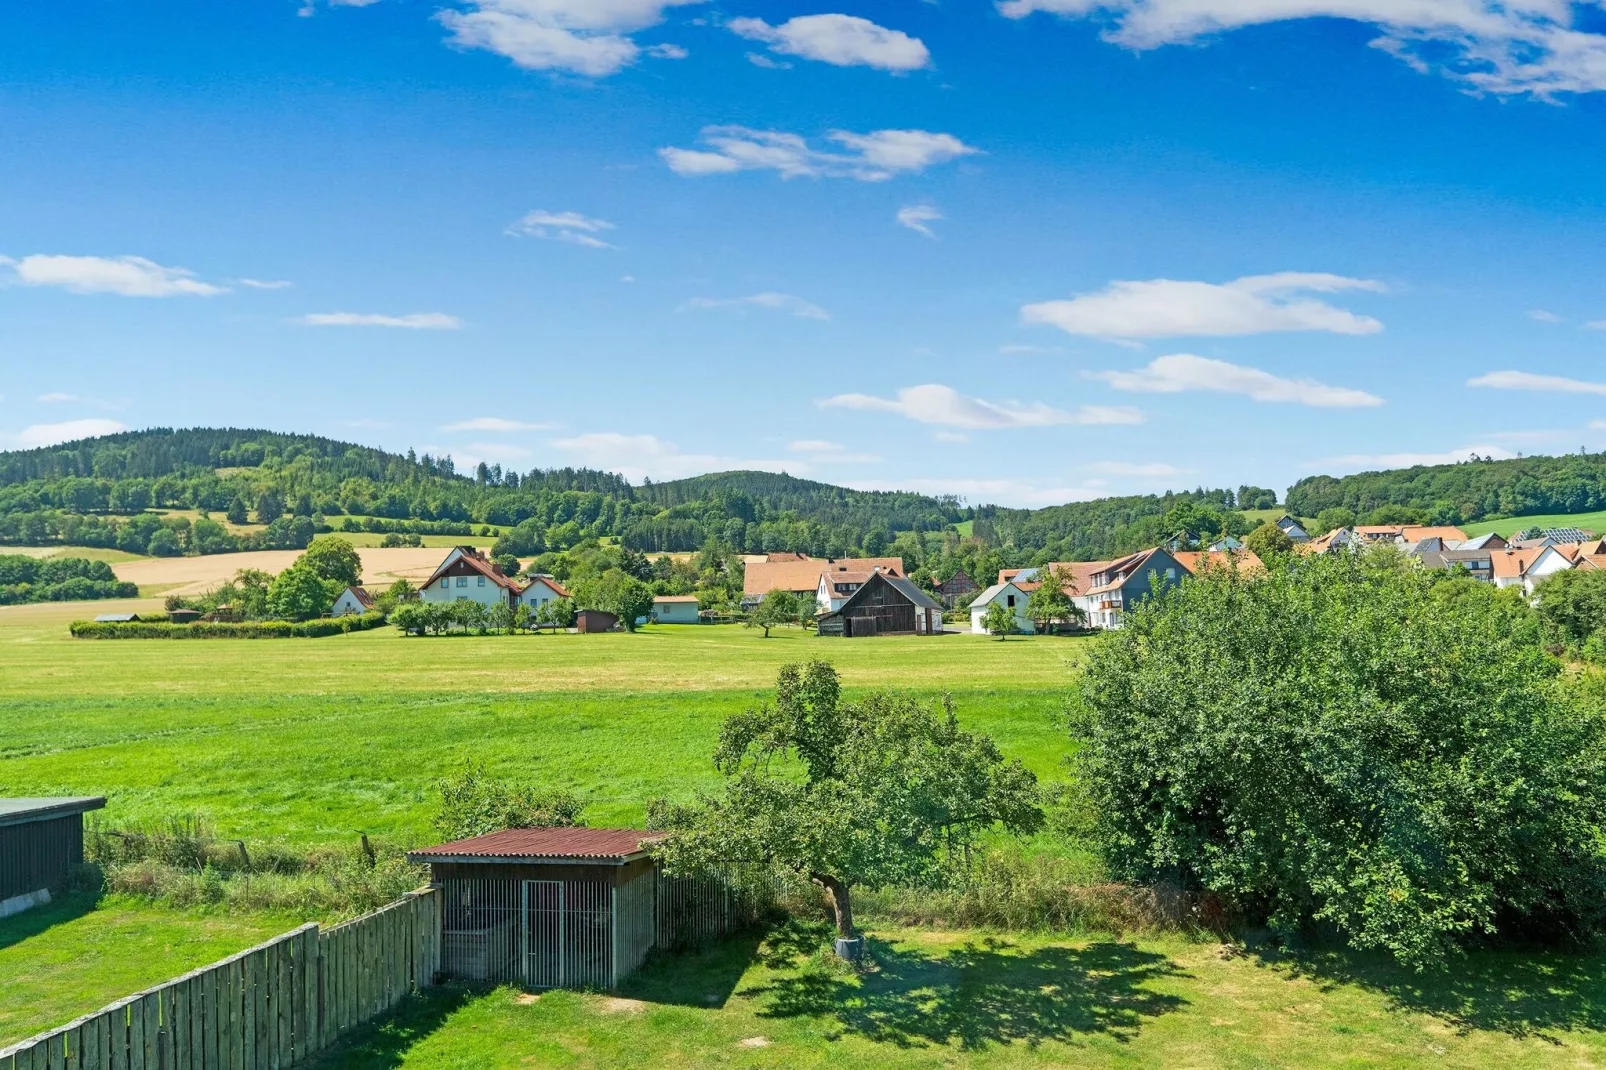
(968, 999)
(74, 956)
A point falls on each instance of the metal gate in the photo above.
(566, 939)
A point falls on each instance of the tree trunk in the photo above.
(841, 903)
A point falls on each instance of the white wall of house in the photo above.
(537, 594)
(347, 604)
(474, 587)
(1011, 596)
(676, 612)
(1549, 563)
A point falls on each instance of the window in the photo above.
(482, 581)
(462, 581)
(1011, 601)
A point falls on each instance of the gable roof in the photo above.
(803, 574)
(1194, 560)
(557, 588)
(673, 598)
(362, 596)
(993, 592)
(1482, 542)
(904, 587)
(607, 845)
(1122, 570)
(471, 559)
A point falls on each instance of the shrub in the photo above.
(1332, 743)
(472, 805)
(259, 629)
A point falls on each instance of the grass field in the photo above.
(439, 542)
(1595, 522)
(934, 999)
(88, 553)
(74, 955)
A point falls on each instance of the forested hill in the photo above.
(824, 502)
(1476, 489)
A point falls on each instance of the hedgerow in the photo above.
(258, 629)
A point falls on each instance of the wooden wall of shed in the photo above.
(37, 854)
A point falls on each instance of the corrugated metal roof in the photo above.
(20, 811)
(543, 843)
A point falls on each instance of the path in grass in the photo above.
(966, 999)
(72, 957)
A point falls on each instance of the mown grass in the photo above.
(979, 1000)
(76, 955)
(1595, 522)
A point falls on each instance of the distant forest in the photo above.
(98, 491)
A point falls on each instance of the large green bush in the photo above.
(1345, 742)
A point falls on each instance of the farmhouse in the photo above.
(567, 907)
(884, 605)
(1122, 584)
(675, 609)
(352, 600)
(955, 587)
(541, 590)
(800, 573)
(1010, 595)
(836, 587)
(466, 573)
(40, 840)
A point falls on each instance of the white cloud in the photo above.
(67, 431)
(1543, 316)
(873, 157)
(563, 226)
(1377, 461)
(417, 321)
(126, 276)
(264, 284)
(587, 37)
(495, 423)
(831, 452)
(758, 59)
(1019, 493)
(1182, 372)
(1497, 46)
(1153, 470)
(776, 302)
(1529, 381)
(57, 398)
(950, 436)
(1167, 308)
(933, 403)
(842, 40)
(1596, 325)
(639, 457)
(916, 216)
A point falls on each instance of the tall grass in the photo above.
(179, 861)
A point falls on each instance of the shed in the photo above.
(595, 620)
(675, 609)
(116, 618)
(885, 605)
(565, 907)
(40, 840)
(183, 616)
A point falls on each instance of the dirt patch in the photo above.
(524, 999)
(754, 1042)
(617, 1005)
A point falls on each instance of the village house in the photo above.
(542, 590)
(1528, 567)
(1122, 584)
(466, 573)
(1011, 597)
(675, 609)
(1292, 528)
(353, 600)
(802, 574)
(955, 587)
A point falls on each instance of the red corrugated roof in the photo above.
(543, 843)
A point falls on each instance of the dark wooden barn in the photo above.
(567, 907)
(956, 587)
(40, 840)
(885, 605)
(595, 620)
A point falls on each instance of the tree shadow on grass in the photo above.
(1532, 993)
(387, 1041)
(32, 922)
(700, 977)
(981, 993)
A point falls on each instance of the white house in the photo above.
(1012, 597)
(467, 574)
(675, 609)
(540, 591)
(352, 600)
(1529, 567)
(1293, 529)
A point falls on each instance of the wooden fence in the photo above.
(274, 1006)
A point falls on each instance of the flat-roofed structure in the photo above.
(40, 841)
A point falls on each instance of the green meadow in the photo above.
(318, 741)
(1595, 522)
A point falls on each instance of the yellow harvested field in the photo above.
(195, 575)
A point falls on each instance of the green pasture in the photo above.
(946, 999)
(1595, 522)
(375, 538)
(88, 553)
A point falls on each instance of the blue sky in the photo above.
(1025, 252)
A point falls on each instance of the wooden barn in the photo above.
(885, 605)
(40, 840)
(566, 907)
(595, 620)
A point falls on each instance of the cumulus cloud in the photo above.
(263, 284)
(775, 302)
(66, 431)
(1496, 46)
(873, 157)
(416, 321)
(570, 227)
(639, 457)
(1182, 372)
(1543, 316)
(126, 276)
(1557, 384)
(587, 37)
(1378, 461)
(933, 403)
(842, 40)
(495, 423)
(1167, 308)
(916, 216)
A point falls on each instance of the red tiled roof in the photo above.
(803, 574)
(674, 598)
(542, 843)
(557, 587)
(359, 594)
(478, 564)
